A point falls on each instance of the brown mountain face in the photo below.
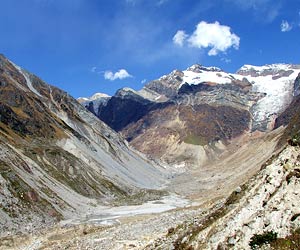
(56, 158)
(197, 119)
(199, 125)
(290, 119)
(27, 114)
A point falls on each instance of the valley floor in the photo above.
(134, 232)
(240, 174)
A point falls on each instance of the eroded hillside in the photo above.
(57, 159)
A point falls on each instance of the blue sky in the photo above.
(88, 46)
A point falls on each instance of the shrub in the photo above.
(261, 239)
(295, 140)
(290, 242)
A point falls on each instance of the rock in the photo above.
(171, 230)
(238, 190)
(33, 196)
(184, 240)
(231, 241)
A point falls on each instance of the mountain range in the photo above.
(200, 106)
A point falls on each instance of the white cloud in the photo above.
(94, 69)
(143, 81)
(121, 74)
(209, 35)
(285, 26)
(180, 37)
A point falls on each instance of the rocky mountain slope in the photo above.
(195, 113)
(267, 202)
(57, 159)
(264, 203)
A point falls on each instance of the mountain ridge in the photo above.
(58, 160)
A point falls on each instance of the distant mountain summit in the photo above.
(200, 105)
(276, 70)
(96, 96)
(94, 102)
(197, 68)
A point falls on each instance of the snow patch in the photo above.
(279, 93)
(191, 77)
(273, 67)
(198, 67)
(97, 99)
(98, 95)
(278, 89)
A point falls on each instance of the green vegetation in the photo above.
(139, 197)
(291, 242)
(295, 140)
(235, 196)
(258, 240)
(195, 140)
(69, 170)
(16, 185)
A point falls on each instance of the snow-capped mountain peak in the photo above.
(280, 69)
(99, 95)
(82, 99)
(277, 81)
(97, 99)
(283, 66)
(274, 81)
(94, 97)
(197, 68)
(196, 75)
(175, 73)
(125, 92)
